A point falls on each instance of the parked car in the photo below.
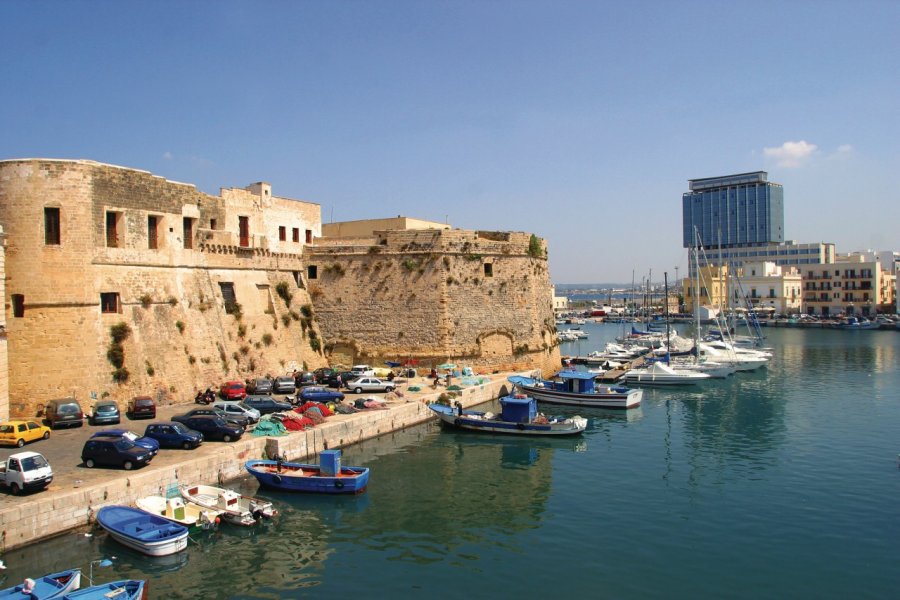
(323, 373)
(214, 428)
(370, 384)
(233, 390)
(114, 451)
(151, 445)
(266, 404)
(284, 385)
(304, 379)
(141, 407)
(17, 433)
(66, 412)
(345, 377)
(262, 386)
(238, 409)
(26, 471)
(105, 412)
(362, 371)
(238, 420)
(174, 435)
(318, 393)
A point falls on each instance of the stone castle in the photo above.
(120, 283)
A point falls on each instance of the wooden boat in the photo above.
(328, 477)
(178, 511)
(141, 531)
(518, 416)
(577, 388)
(126, 589)
(46, 587)
(235, 508)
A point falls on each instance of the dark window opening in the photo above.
(152, 232)
(109, 302)
(488, 269)
(309, 236)
(296, 233)
(112, 229)
(188, 233)
(298, 278)
(18, 305)
(231, 305)
(212, 223)
(244, 231)
(51, 226)
(312, 272)
(282, 233)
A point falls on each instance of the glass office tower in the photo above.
(733, 211)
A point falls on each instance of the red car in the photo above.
(233, 390)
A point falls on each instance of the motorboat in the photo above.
(659, 373)
(577, 388)
(178, 511)
(139, 530)
(54, 585)
(126, 589)
(518, 416)
(235, 508)
(328, 477)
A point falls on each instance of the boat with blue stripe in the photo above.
(518, 416)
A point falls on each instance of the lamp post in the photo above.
(103, 562)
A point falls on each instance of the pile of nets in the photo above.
(269, 426)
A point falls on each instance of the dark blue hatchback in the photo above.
(174, 435)
(149, 444)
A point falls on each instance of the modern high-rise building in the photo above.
(733, 211)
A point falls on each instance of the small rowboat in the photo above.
(141, 531)
(328, 477)
(178, 511)
(235, 508)
(518, 416)
(48, 586)
(127, 589)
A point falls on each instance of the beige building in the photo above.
(768, 287)
(855, 284)
(368, 227)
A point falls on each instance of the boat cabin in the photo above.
(576, 382)
(518, 408)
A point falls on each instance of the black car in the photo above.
(261, 386)
(237, 420)
(174, 435)
(345, 376)
(322, 374)
(302, 380)
(114, 451)
(213, 428)
(266, 404)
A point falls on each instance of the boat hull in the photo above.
(298, 477)
(476, 422)
(48, 586)
(235, 509)
(126, 589)
(142, 531)
(628, 399)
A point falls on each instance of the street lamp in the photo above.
(103, 562)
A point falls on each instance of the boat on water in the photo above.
(149, 534)
(54, 585)
(328, 477)
(518, 416)
(235, 508)
(577, 388)
(192, 516)
(659, 373)
(126, 589)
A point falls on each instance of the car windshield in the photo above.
(34, 462)
(144, 402)
(106, 408)
(67, 408)
(179, 428)
(242, 405)
(124, 444)
(235, 386)
(130, 435)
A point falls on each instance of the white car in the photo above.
(239, 409)
(369, 384)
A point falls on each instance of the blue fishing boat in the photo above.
(141, 531)
(126, 589)
(328, 477)
(577, 388)
(46, 587)
(518, 416)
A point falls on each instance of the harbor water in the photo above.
(782, 482)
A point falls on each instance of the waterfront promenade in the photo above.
(77, 493)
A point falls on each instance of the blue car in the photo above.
(141, 442)
(317, 393)
(174, 435)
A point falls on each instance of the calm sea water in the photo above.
(779, 483)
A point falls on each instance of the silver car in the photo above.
(238, 409)
(369, 384)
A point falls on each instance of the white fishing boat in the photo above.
(235, 508)
(177, 510)
(577, 388)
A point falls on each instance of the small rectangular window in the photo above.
(212, 223)
(229, 298)
(282, 233)
(188, 233)
(152, 232)
(488, 269)
(296, 232)
(312, 272)
(309, 236)
(112, 229)
(18, 305)
(109, 302)
(51, 226)
(244, 231)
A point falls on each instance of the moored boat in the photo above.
(662, 374)
(46, 587)
(126, 589)
(328, 477)
(518, 416)
(142, 531)
(577, 388)
(178, 511)
(235, 508)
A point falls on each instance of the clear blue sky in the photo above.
(578, 121)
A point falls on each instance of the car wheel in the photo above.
(15, 489)
(388, 389)
(89, 463)
(226, 438)
(357, 391)
(186, 445)
(46, 435)
(20, 443)
(128, 465)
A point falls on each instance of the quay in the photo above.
(71, 502)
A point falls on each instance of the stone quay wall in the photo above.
(55, 511)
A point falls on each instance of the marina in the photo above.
(783, 487)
